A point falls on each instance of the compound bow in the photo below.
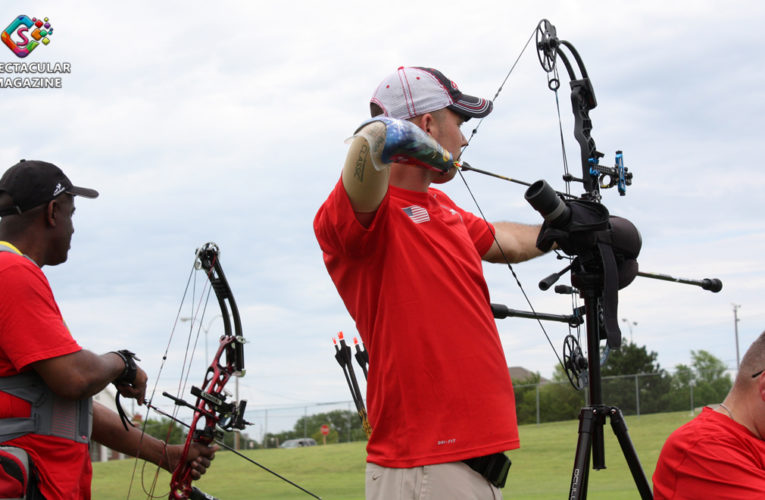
(594, 176)
(212, 406)
(219, 415)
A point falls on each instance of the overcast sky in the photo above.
(225, 122)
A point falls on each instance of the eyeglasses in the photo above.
(758, 374)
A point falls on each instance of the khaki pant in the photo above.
(454, 480)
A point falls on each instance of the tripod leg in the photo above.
(587, 423)
(598, 443)
(620, 429)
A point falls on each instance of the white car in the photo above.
(298, 443)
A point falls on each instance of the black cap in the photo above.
(466, 105)
(34, 183)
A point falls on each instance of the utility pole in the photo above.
(735, 329)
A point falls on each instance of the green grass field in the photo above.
(541, 467)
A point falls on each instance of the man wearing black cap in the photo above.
(46, 379)
(406, 260)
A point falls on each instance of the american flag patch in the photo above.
(417, 214)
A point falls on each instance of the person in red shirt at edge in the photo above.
(406, 261)
(40, 361)
(721, 452)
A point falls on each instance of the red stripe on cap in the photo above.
(407, 91)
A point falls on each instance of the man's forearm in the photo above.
(366, 186)
(517, 242)
(109, 431)
(81, 374)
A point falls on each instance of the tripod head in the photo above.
(604, 248)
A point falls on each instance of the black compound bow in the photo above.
(602, 250)
(594, 176)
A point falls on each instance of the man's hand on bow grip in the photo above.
(136, 390)
(199, 458)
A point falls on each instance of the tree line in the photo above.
(650, 389)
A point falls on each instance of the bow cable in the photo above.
(149, 403)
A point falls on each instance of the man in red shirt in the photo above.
(406, 260)
(721, 452)
(46, 379)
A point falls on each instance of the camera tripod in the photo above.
(592, 417)
(587, 276)
(584, 230)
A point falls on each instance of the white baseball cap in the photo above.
(413, 91)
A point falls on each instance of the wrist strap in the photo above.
(123, 416)
(126, 378)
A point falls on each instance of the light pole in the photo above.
(629, 324)
(209, 324)
(735, 329)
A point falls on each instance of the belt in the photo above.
(493, 468)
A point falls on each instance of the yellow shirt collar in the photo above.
(9, 245)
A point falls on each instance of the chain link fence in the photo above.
(544, 401)
(268, 423)
(635, 394)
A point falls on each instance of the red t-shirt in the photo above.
(32, 329)
(439, 389)
(711, 456)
